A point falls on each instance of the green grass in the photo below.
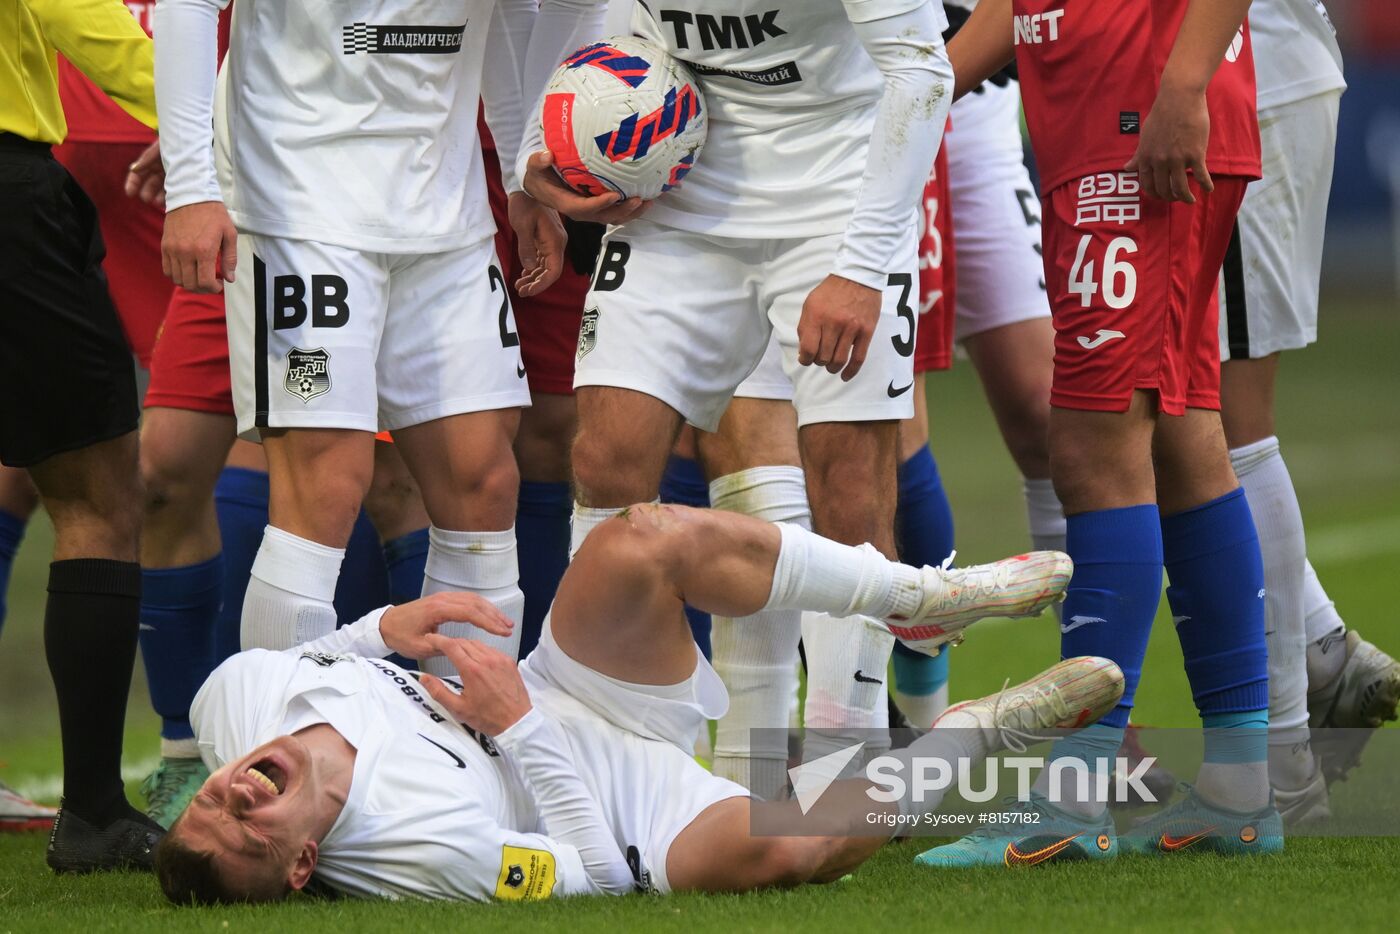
(1339, 418)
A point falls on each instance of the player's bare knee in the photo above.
(609, 471)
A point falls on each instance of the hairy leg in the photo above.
(753, 433)
(318, 480)
(1191, 461)
(851, 470)
(93, 496)
(624, 438)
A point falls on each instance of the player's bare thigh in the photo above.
(914, 432)
(317, 480)
(465, 467)
(1015, 363)
(620, 606)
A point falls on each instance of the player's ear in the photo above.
(304, 866)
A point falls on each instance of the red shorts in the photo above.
(131, 231)
(189, 368)
(1132, 284)
(548, 323)
(933, 345)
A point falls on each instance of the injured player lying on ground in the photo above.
(572, 774)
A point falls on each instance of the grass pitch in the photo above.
(1339, 421)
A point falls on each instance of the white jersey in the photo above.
(793, 97)
(432, 812)
(347, 122)
(1295, 51)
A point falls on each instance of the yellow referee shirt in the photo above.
(100, 37)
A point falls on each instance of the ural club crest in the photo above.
(587, 332)
(308, 373)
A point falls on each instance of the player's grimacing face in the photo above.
(256, 815)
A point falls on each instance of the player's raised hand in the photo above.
(1173, 141)
(540, 240)
(493, 697)
(837, 324)
(405, 628)
(145, 178)
(543, 184)
(199, 249)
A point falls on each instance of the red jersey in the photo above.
(1089, 74)
(91, 115)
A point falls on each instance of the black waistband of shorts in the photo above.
(11, 142)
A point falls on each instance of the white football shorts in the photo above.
(686, 317)
(322, 336)
(1269, 281)
(634, 748)
(996, 214)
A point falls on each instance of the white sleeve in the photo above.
(362, 638)
(502, 70)
(561, 27)
(187, 61)
(570, 815)
(908, 49)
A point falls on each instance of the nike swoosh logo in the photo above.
(1076, 621)
(1014, 857)
(520, 370)
(1170, 844)
(896, 393)
(1103, 337)
(864, 680)
(455, 758)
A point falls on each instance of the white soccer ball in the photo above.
(623, 115)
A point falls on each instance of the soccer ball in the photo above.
(622, 115)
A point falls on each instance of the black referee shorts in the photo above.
(67, 379)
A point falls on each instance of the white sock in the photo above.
(847, 667)
(1269, 491)
(179, 748)
(1046, 515)
(1235, 786)
(922, 709)
(290, 592)
(483, 563)
(817, 574)
(585, 520)
(1326, 651)
(950, 745)
(756, 656)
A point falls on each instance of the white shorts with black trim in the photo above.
(634, 747)
(685, 318)
(322, 336)
(1269, 281)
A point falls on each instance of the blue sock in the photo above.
(404, 559)
(1114, 593)
(1216, 592)
(923, 536)
(918, 674)
(542, 537)
(684, 483)
(11, 531)
(178, 610)
(1237, 737)
(364, 580)
(240, 497)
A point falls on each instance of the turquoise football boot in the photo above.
(1028, 834)
(1196, 825)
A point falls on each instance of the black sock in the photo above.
(90, 626)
